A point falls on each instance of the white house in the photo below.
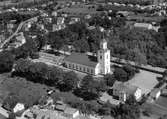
(71, 112)
(54, 13)
(18, 107)
(57, 27)
(88, 64)
(124, 90)
(155, 93)
(143, 26)
(60, 20)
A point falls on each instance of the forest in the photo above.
(141, 46)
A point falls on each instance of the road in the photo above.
(15, 33)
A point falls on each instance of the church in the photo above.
(89, 64)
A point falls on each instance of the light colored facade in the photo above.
(143, 26)
(155, 93)
(71, 113)
(58, 27)
(83, 63)
(104, 58)
(18, 107)
(83, 68)
(138, 94)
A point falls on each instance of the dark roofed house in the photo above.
(124, 90)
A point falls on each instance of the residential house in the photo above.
(18, 107)
(2, 38)
(56, 27)
(20, 39)
(88, 16)
(143, 26)
(124, 90)
(124, 13)
(74, 20)
(71, 112)
(155, 93)
(54, 13)
(67, 111)
(4, 113)
(164, 92)
(60, 20)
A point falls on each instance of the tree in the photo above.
(89, 88)
(105, 109)
(6, 61)
(81, 45)
(130, 71)
(54, 76)
(164, 74)
(109, 79)
(120, 74)
(40, 41)
(70, 81)
(129, 110)
(57, 43)
(139, 58)
(12, 115)
(10, 102)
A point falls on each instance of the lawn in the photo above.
(145, 81)
(154, 109)
(162, 101)
(26, 91)
(29, 92)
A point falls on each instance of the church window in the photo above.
(69, 65)
(84, 69)
(73, 66)
(107, 56)
(87, 69)
(80, 68)
(100, 57)
(91, 71)
(76, 66)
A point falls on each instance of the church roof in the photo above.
(83, 59)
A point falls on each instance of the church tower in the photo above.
(104, 58)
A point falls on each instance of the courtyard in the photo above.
(145, 80)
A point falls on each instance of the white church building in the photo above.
(88, 64)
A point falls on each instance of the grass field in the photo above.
(26, 91)
(29, 92)
(155, 109)
(145, 81)
(162, 101)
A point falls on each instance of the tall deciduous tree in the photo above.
(6, 61)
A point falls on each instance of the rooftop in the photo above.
(146, 25)
(70, 110)
(82, 58)
(125, 87)
(61, 107)
(154, 92)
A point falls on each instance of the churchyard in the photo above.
(145, 80)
